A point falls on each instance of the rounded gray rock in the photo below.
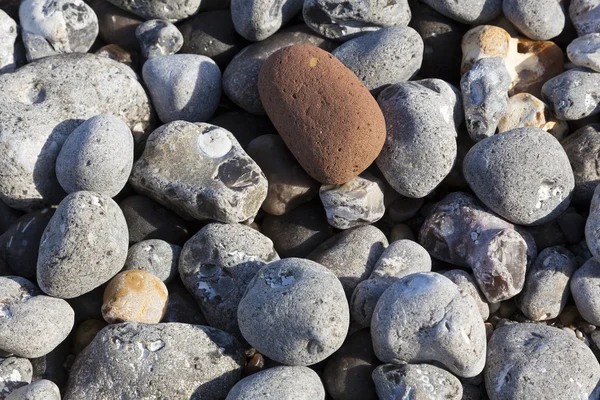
(155, 256)
(43, 389)
(173, 10)
(8, 37)
(466, 284)
(473, 12)
(183, 86)
(257, 20)
(84, 245)
(573, 94)
(97, 156)
(585, 288)
(294, 312)
(15, 372)
(158, 37)
(524, 175)
(536, 19)
(584, 51)
(585, 15)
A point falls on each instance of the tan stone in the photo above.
(483, 42)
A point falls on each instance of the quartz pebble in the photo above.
(38, 390)
(15, 372)
(257, 20)
(586, 291)
(155, 256)
(524, 109)
(584, 51)
(538, 20)
(581, 147)
(573, 94)
(8, 37)
(158, 37)
(585, 15)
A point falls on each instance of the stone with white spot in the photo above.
(43, 389)
(257, 20)
(585, 51)
(466, 284)
(158, 37)
(8, 37)
(15, 372)
(155, 256)
(573, 94)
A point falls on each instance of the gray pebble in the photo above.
(345, 20)
(473, 12)
(424, 317)
(485, 96)
(294, 312)
(97, 156)
(523, 174)
(574, 94)
(200, 171)
(150, 361)
(8, 37)
(155, 256)
(38, 390)
(183, 86)
(584, 51)
(217, 264)
(257, 20)
(536, 361)
(173, 10)
(298, 383)
(158, 37)
(536, 19)
(416, 381)
(467, 285)
(420, 147)
(387, 56)
(15, 372)
(31, 324)
(585, 15)
(84, 245)
(585, 288)
(592, 225)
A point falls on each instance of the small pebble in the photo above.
(8, 37)
(585, 15)
(572, 95)
(257, 20)
(38, 390)
(119, 54)
(585, 289)
(299, 383)
(155, 256)
(15, 372)
(538, 20)
(158, 37)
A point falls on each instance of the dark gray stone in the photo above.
(474, 12)
(158, 37)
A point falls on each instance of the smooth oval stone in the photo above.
(573, 94)
(474, 12)
(538, 20)
(8, 37)
(173, 10)
(38, 390)
(526, 361)
(585, 51)
(345, 20)
(524, 175)
(43, 102)
(84, 245)
(155, 256)
(200, 171)
(586, 291)
(15, 372)
(257, 20)
(585, 15)
(116, 26)
(581, 148)
(327, 118)
(181, 361)
(158, 37)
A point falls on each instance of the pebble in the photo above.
(335, 141)
(538, 20)
(584, 15)
(299, 293)
(97, 156)
(473, 12)
(345, 20)
(581, 147)
(529, 172)
(584, 51)
(31, 324)
(467, 285)
(586, 291)
(216, 266)
(56, 27)
(38, 390)
(85, 333)
(158, 37)
(174, 10)
(87, 229)
(199, 171)
(298, 383)
(15, 372)
(8, 38)
(387, 56)
(572, 95)
(444, 325)
(418, 381)
(155, 256)
(484, 41)
(245, 126)
(420, 147)
(257, 21)
(116, 26)
(180, 361)
(184, 87)
(526, 361)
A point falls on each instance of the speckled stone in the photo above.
(581, 147)
(8, 37)
(574, 94)
(257, 20)
(15, 372)
(474, 12)
(158, 37)
(155, 256)
(585, 289)
(584, 51)
(538, 20)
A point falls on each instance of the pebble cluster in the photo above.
(299, 199)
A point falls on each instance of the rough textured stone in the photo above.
(8, 37)
(174, 10)
(155, 256)
(581, 147)
(39, 390)
(538, 20)
(474, 12)
(585, 51)
(585, 15)
(585, 289)
(574, 94)
(158, 37)
(15, 372)
(466, 284)
(257, 20)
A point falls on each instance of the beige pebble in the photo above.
(525, 110)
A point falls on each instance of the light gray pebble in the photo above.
(467, 285)
(584, 51)
(43, 389)
(574, 94)
(416, 381)
(171, 10)
(585, 15)
(155, 256)
(97, 156)
(257, 20)
(183, 86)
(345, 20)
(200, 171)
(158, 37)
(8, 37)
(294, 312)
(150, 361)
(537, 361)
(420, 147)
(298, 383)
(585, 288)
(536, 19)
(31, 324)
(473, 12)
(15, 372)
(84, 245)
(523, 174)
(387, 56)
(424, 317)
(485, 96)
(216, 266)
(592, 225)
(55, 27)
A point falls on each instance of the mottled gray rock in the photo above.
(585, 15)
(584, 51)
(416, 381)
(387, 56)
(15, 372)
(473, 12)
(43, 102)
(97, 156)
(183, 86)
(538, 20)
(585, 288)
(467, 285)
(345, 20)
(200, 171)
(524, 175)
(574, 94)
(546, 289)
(8, 37)
(527, 361)
(217, 264)
(485, 96)
(257, 20)
(294, 312)
(420, 146)
(144, 361)
(298, 383)
(240, 78)
(38, 390)
(31, 324)
(84, 245)
(155, 256)
(158, 37)
(424, 317)
(173, 10)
